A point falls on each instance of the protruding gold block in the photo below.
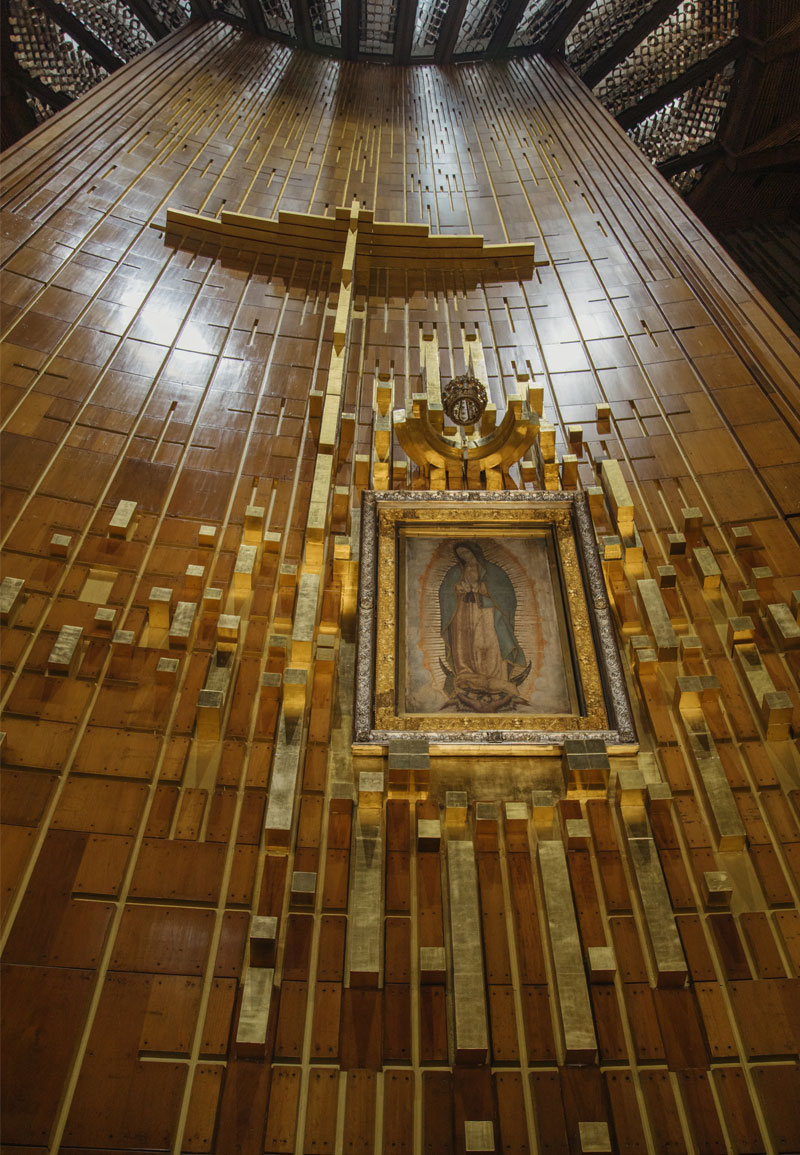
(706, 568)
(316, 401)
(167, 670)
(667, 577)
(263, 937)
(228, 629)
(104, 618)
(575, 1012)
(382, 436)
(795, 604)
(543, 809)
(782, 626)
(760, 576)
(630, 788)
(207, 535)
(594, 1139)
(536, 398)
(361, 470)
(516, 815)
(429, 834)
(742, 536)
(740, 630)
(692, 519)
(569, 471)
(551, 476)
(469, 999)
(602, 964)
(251, 1031)
(287, 575)
(612, 548)
(603, 414)
(295, 690)
(253, 524)
(619, 498)
(59, 545)
(209, 714)
(478, 1137)
(193, 577)
(182, 622)
(272, 542)
(776, 714)
(271, 683)
(663, 939)
(340, 513)
(547, 441)
(748, 602)
(632, 548)
(487, 815)
(432, 964)
(717, 888)
(726, 821)
(370, 789)
(658, 797)
(594, 495)
(664, 636)
(121, 519)
(577, 834)
(380, 474)
(244, 567)
(575, 434)
(455, 807)
(65, 654)
(687, 693)
(212, 601)
(303, 887)
(691, 648)
(676, 543)
(10, 598)
(158, 607)
(383, 394)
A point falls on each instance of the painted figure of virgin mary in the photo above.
(484, 663)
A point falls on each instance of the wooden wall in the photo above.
(177, 376)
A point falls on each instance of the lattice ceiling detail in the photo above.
(693, 31)
(687, 123)
(688, 36)
(602, 23)
(481, 19)
(378, 26)
(49, 54)
(537, 20)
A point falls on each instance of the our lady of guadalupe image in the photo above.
(480, 628)
(484, 662)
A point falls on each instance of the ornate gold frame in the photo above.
(602, 708)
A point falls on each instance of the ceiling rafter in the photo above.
(302, 24)
(255, 16)
(712, 64)
(100, 53)
(404, 30)
(449, 30)
(351, 19)
(509, 23)
(555, 39)
(144, 12)
(698, 156)
(625, 44)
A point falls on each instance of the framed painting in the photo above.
(483, 622)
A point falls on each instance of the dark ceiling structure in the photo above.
(708, 89)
